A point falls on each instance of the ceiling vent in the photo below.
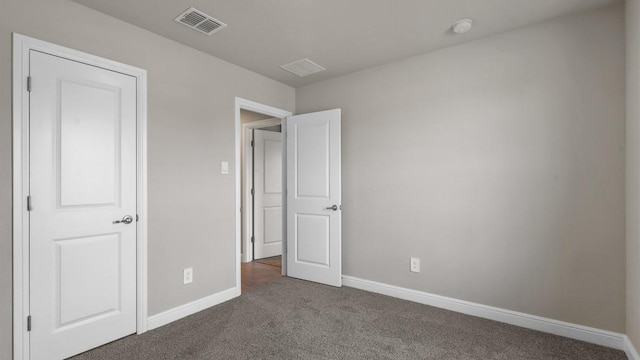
(200, 21)
(303, 67)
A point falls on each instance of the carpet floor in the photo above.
(293, 319)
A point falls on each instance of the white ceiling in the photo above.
(341, 35)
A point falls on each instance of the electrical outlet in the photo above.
(415, 265)
(187, 276)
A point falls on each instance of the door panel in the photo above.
(312, 175)
(313, 188)
(272, 225)
(272, 163)
(88, 147)
(267, 175)
(88, 282)
(82, 179)
(312, 232)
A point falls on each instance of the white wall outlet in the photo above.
(415, 265)
(187, 277)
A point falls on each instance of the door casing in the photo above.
(243, 104)
(21, 47)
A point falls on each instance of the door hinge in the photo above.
(253, 239)
(29, 83)
(252, 143)
(137, 217)
(29, 323)
(28, 202)
(252, 192)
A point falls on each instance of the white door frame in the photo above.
(247, 204)
(21, 47)
(243, 104)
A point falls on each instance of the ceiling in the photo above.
(341, 35)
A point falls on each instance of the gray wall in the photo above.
(247, 116)
(499, 163)
(633, 171)
(191, 129)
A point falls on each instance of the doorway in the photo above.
(262, 176)
(262, 186)
(311, 201)
(260, 181)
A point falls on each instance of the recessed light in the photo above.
(462, 26)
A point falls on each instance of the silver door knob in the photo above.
(334, 208)
(127, 219)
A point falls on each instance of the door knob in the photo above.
(334, 208)
(127, 219)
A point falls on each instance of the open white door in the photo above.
(314, 221)
(267, 181)
(83, 206)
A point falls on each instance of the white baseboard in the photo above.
(631, 351)
(561, 328)
(193, 307)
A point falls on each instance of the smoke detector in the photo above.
(200, 21)
(303, 67)
(462, 26)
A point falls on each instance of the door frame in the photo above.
(243, 104)
(247, 204)
(21, 47)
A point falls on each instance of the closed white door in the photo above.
(82, 179)
(314, 219)
(267, 182)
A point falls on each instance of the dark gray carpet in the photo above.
(292, 319)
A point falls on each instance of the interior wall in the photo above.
(190, 131)
(499, 163)
(247, 116)
(633, 171)
(275, 128)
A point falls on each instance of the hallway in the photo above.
(260, 272)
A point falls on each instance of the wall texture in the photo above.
(499, 163)
(190, 130)
(633, 171)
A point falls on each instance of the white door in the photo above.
(267, 183)
(314, 197)
(82, 179)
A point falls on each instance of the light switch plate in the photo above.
(224, 168)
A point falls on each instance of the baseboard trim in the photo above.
(556, 327)
(630, 350)
(193, 307)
